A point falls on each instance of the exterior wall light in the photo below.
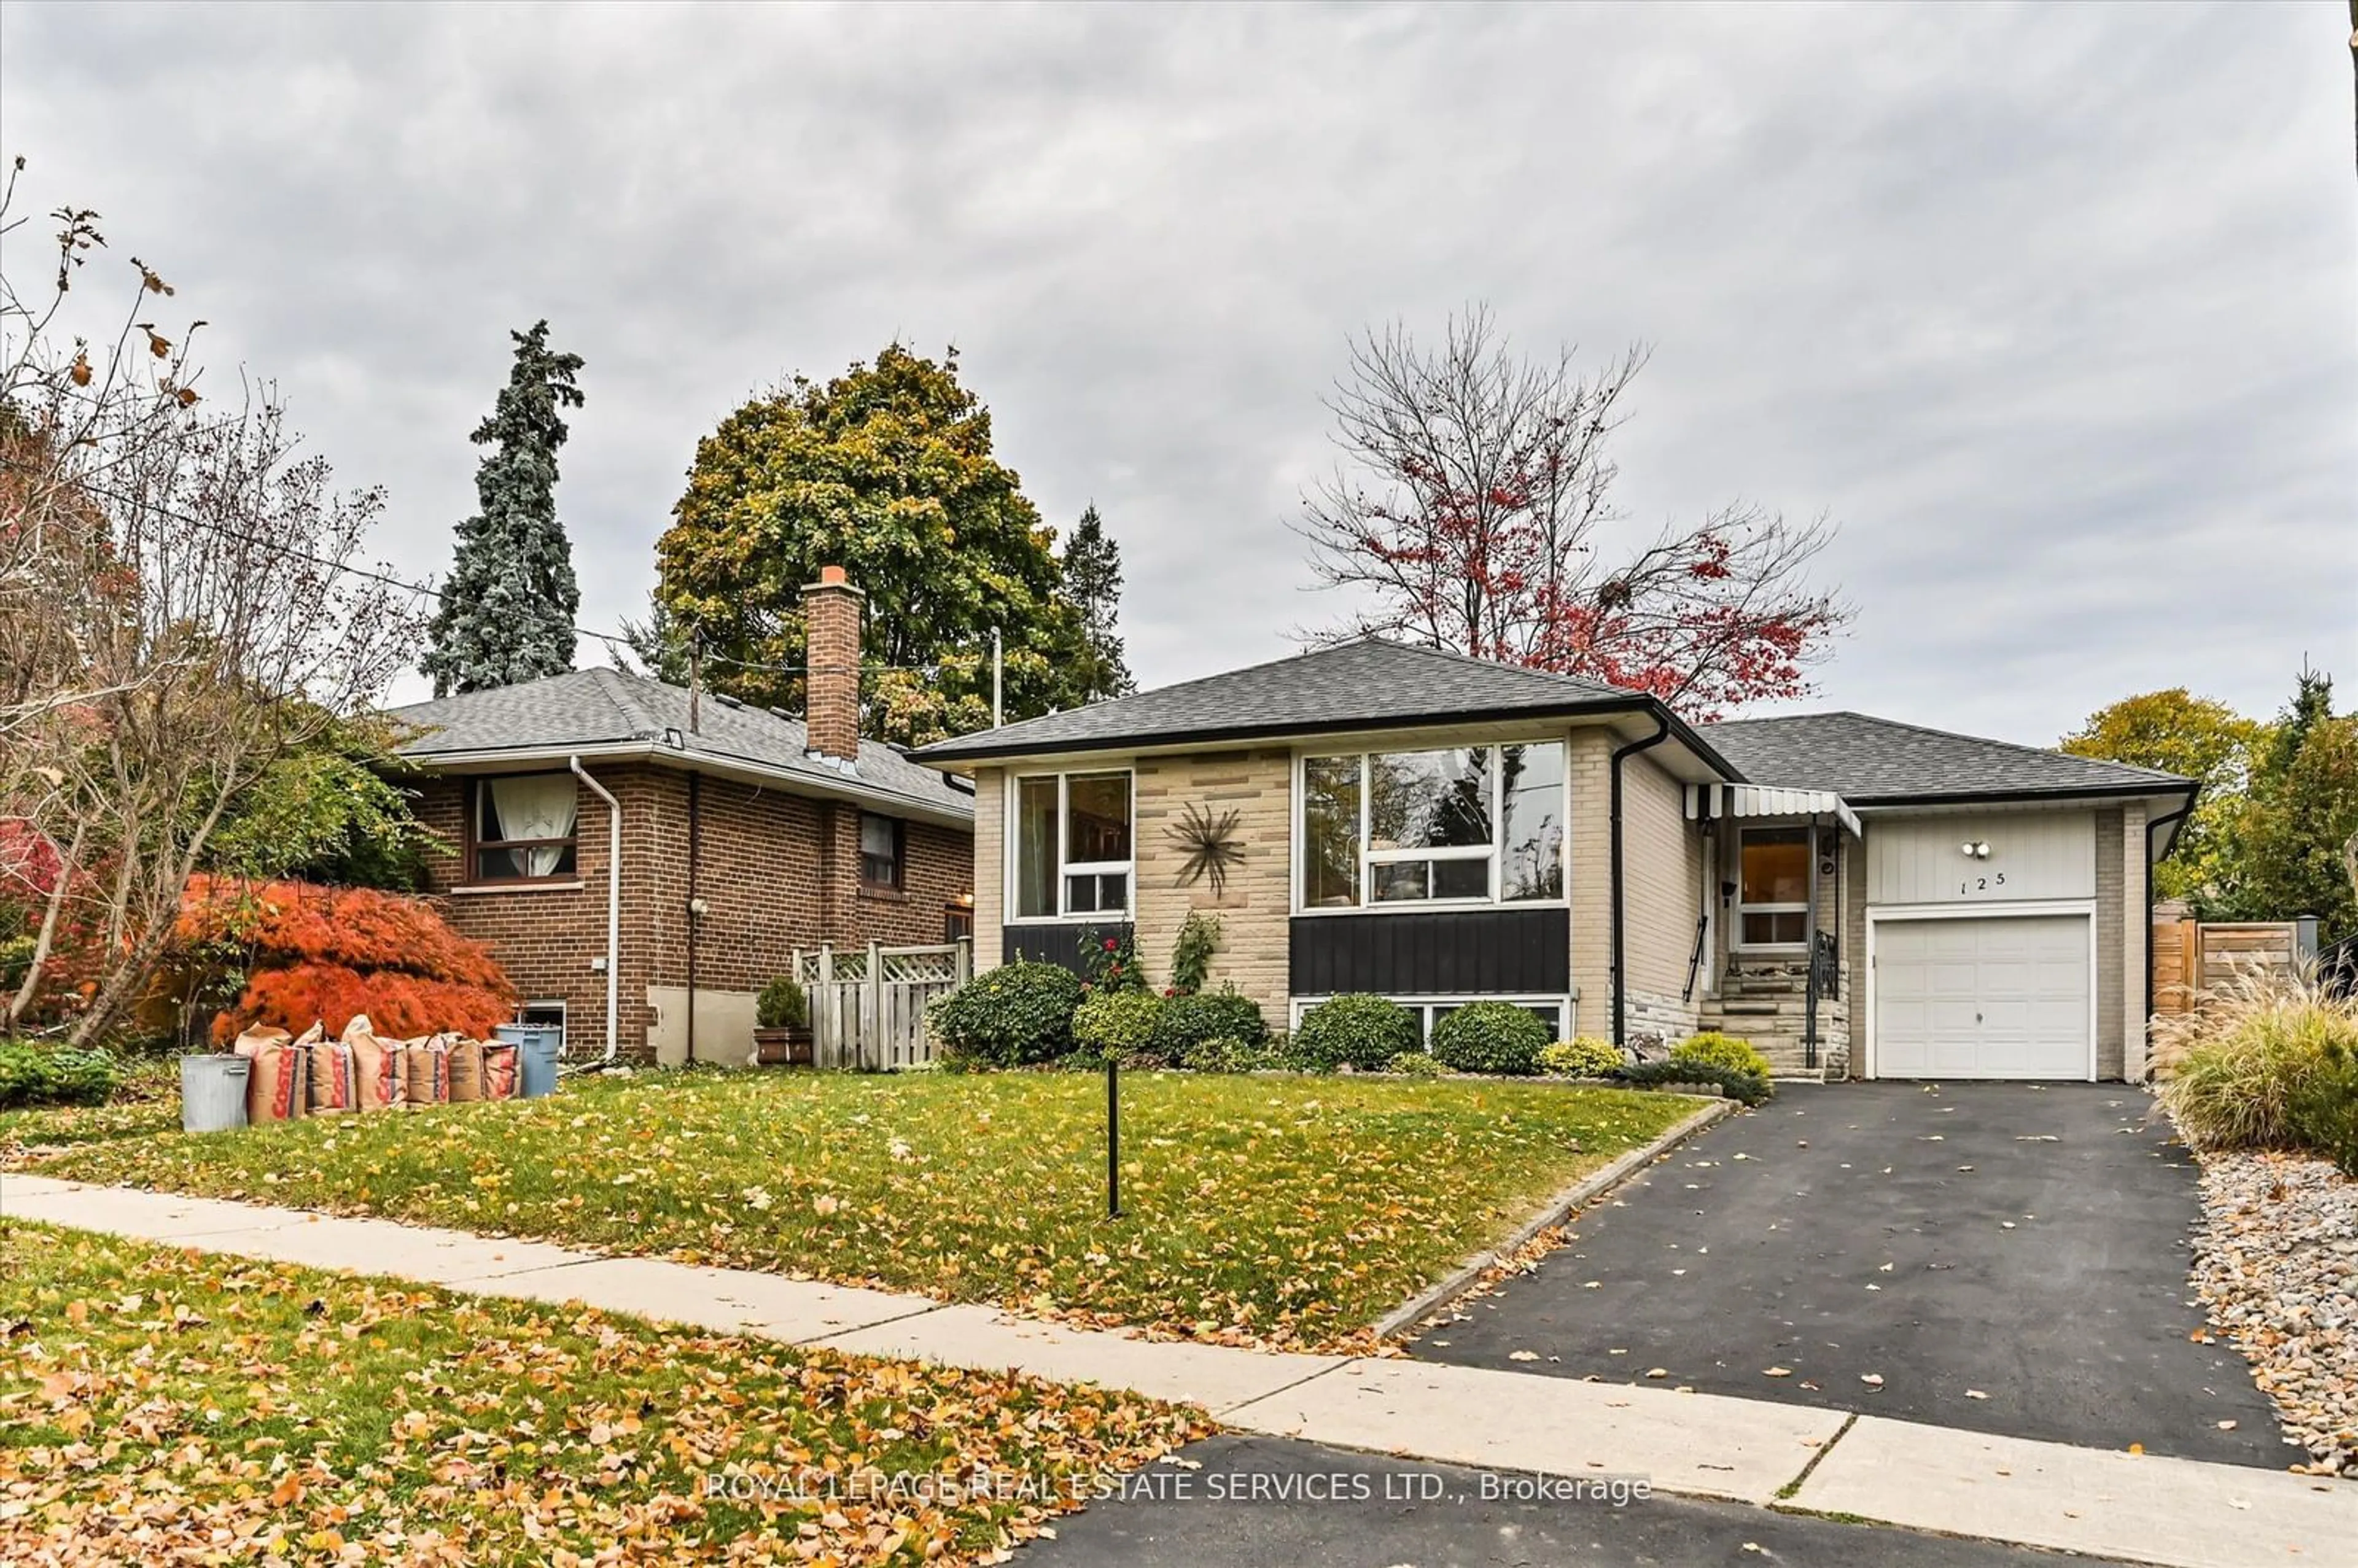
(1973, 849)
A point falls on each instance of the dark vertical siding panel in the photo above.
(1456, 952)
(1059, 944)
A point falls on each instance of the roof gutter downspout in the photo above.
(2155, 824)
(1620, 937)
(613, 904)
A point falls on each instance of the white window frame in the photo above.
(1736, 937)
(1067, 867)
(1369, 859)
(1423, 1006)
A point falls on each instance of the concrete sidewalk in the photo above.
(2175, 1512)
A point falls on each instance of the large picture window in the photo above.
(1072, 842)
(1772, 900)
(524, 827)
(1463, 825)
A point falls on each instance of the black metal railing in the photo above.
(1825, 965)
(1694, 959)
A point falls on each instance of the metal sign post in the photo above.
(1113, 1139)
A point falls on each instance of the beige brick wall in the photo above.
(1662, 874)
(2134, 932)
(990, 864)
(2109, 929)
(1588, 760)
(1254, 905)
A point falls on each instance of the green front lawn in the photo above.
(158, 1405)
(1274, 1210)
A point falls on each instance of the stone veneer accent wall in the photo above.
(1588, 762)
(1255, 906)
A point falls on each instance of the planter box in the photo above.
(783, 1047)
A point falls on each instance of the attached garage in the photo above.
(1985, 997)
(1982, 934)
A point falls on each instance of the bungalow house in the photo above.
(642, 860)
(1857, 896)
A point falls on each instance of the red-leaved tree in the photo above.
(311, 955)
(1467, 514)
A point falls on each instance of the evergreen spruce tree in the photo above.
(508, 605)
(1092, 563)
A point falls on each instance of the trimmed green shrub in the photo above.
(39, 1074)
(1189, 1021)
(1015, 1014)
(1116, 1024)
(1418, 1064)
(1723, 1051)
(1583, 1058)
(1491, 1037)
(1752, 1088)
(781, 1005)
(1355, 1031)
(1227, 1053)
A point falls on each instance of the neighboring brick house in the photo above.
(744, 834)
(1857, 896)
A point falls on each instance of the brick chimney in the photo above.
(831, 608)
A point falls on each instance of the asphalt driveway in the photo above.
(2004, 1258)
(1265, 1502)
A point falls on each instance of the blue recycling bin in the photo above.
(537, 1045)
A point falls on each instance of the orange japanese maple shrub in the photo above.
(322, 955)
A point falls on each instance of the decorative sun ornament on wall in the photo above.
(1209, 844)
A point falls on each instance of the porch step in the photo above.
(1750, 1007)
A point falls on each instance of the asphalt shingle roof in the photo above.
(1366, 684)
(1865, 760)
(605, 707)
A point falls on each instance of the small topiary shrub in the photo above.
(1116, 1024)
(37, 1074)
(1722, 1051)
(1417, 1064)
(781, 1005)
(1229, 1054)
(1190, 1021)
(1752, 1088)
(1355, 1031)
(1583, 1058)
(1015, 1014)
(1491, 1037)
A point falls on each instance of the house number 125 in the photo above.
(1982, 884)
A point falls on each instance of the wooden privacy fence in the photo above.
(2191, 957)
(867, 1004)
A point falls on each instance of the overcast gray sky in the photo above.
(2052, 309)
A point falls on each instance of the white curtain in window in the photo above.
(539, 806)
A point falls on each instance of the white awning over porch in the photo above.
(1739, 800)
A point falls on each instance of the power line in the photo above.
(607, 638)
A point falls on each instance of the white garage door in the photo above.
(2005, 996)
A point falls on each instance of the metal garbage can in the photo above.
(537, 1047)
(213, 1093)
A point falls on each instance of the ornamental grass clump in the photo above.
(2268, 1061)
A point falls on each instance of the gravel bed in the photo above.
(2275, 1261)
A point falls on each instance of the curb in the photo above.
(1395, 1323)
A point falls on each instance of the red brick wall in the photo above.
(776, 871)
